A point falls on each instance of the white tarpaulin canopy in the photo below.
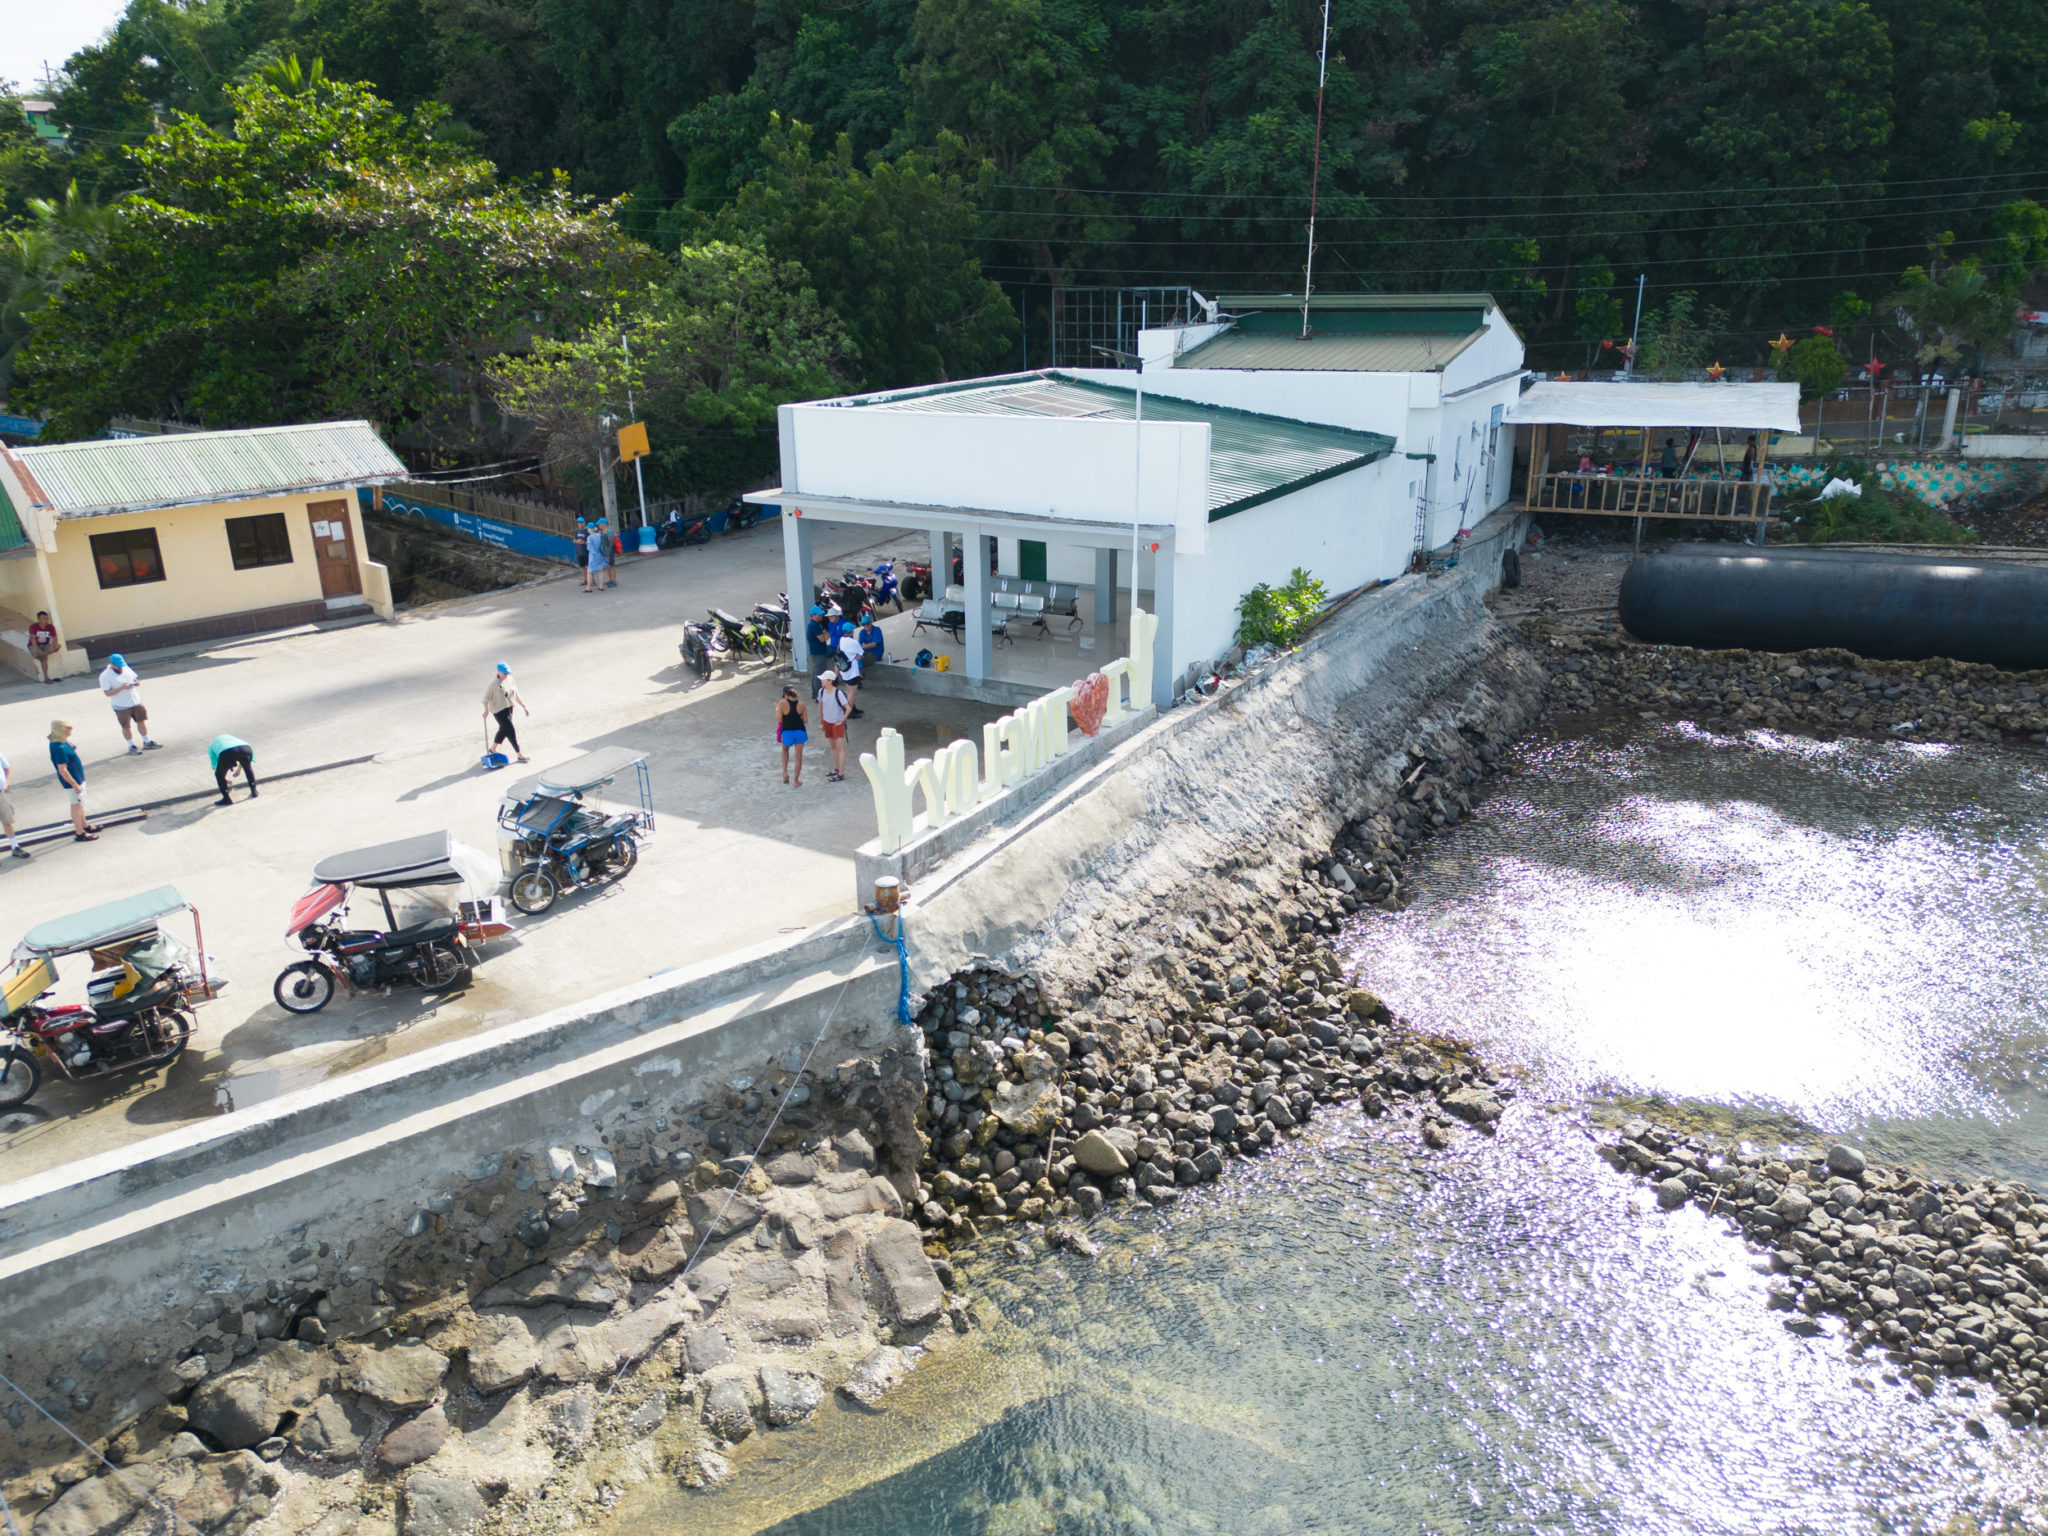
(1746, 407)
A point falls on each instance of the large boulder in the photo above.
(1031, 1109)
(247, 1405)
(440, 1506)
(905, 1281)
(331, 1430)
(788, 1397)
(504, 1355)
(403, 1376)
(415, 1441)
(1096, 1153)
(98, 1505)
(228, 1494)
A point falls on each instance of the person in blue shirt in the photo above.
(818, 639)
(229, 754)
(71, 774)
(870, 641)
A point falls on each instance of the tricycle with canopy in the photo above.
(439, 904)
(552, 839)
(138, 1013)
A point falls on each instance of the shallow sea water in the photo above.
(1353, 1336)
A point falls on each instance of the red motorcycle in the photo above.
(138, 1015)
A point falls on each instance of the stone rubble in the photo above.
(1945, 1278)
(1821, 694)
(1216, 1029)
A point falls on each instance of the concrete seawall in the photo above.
(107, 1270)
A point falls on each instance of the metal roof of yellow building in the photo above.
(140, 474)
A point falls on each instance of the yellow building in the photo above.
(135, 543)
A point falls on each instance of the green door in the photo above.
(1031, 559)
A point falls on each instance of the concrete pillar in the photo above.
(1164, 670)
(1105, 586)
(796, 579)
(942, 561)
(980, 642)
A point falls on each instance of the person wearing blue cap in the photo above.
(499, 701)
(123, 690)
(818, 637)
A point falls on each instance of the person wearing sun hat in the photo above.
(71, 774)
(500, 699)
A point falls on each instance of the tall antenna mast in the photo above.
(1308, 275)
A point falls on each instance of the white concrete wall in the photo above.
(1347, 531)
(1059, 468)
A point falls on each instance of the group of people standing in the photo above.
(597, 554)
(840, 651)
(121, 686)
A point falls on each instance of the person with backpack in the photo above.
(850, 670)
(833, 709)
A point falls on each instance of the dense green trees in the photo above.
(323, 255)
(931, 163)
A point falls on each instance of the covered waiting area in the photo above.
(1598, 448)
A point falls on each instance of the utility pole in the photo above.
(1315, 174)
(1635, 332)
(639, 480)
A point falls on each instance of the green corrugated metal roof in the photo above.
(12, 535)
(1252, 458)
(139, 474)
(1348, 332)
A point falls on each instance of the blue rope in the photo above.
(902, 966)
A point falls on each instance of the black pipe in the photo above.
(1886, 607)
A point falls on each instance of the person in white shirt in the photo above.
(7, 811)
(849, 671)
(123, 690)
(833, 708)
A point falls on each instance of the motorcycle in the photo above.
(743, 637)
(917, 582)
(138, 1013)
(853, 592)
(449, 890)
(675, 531)
(703, 647)
(739, 516)
(552, 840)
(774, 617)
(886, 589)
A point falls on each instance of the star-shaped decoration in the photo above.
(1715, 371)
(1782, 345)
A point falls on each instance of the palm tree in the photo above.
(36, 261)
(1949, 311)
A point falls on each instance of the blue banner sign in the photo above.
(21, 426)
(486, 530)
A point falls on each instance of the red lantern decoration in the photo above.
(1824, 330)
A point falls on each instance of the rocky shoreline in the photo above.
(1823, 694)
(1217, 1032)
(1946, 1278)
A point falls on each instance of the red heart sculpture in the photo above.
(1090, 702)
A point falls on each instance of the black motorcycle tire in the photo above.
(19, 1077)
(306, 987)
(764, 646)
(178, 1024)
(441, 969)
(625, 854)
(533, 892)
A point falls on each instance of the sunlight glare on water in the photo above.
(1356, 1336)
(1848, 933)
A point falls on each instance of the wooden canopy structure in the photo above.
(1568, 421)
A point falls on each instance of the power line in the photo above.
(1509, 197)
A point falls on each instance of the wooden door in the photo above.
(334, 544)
